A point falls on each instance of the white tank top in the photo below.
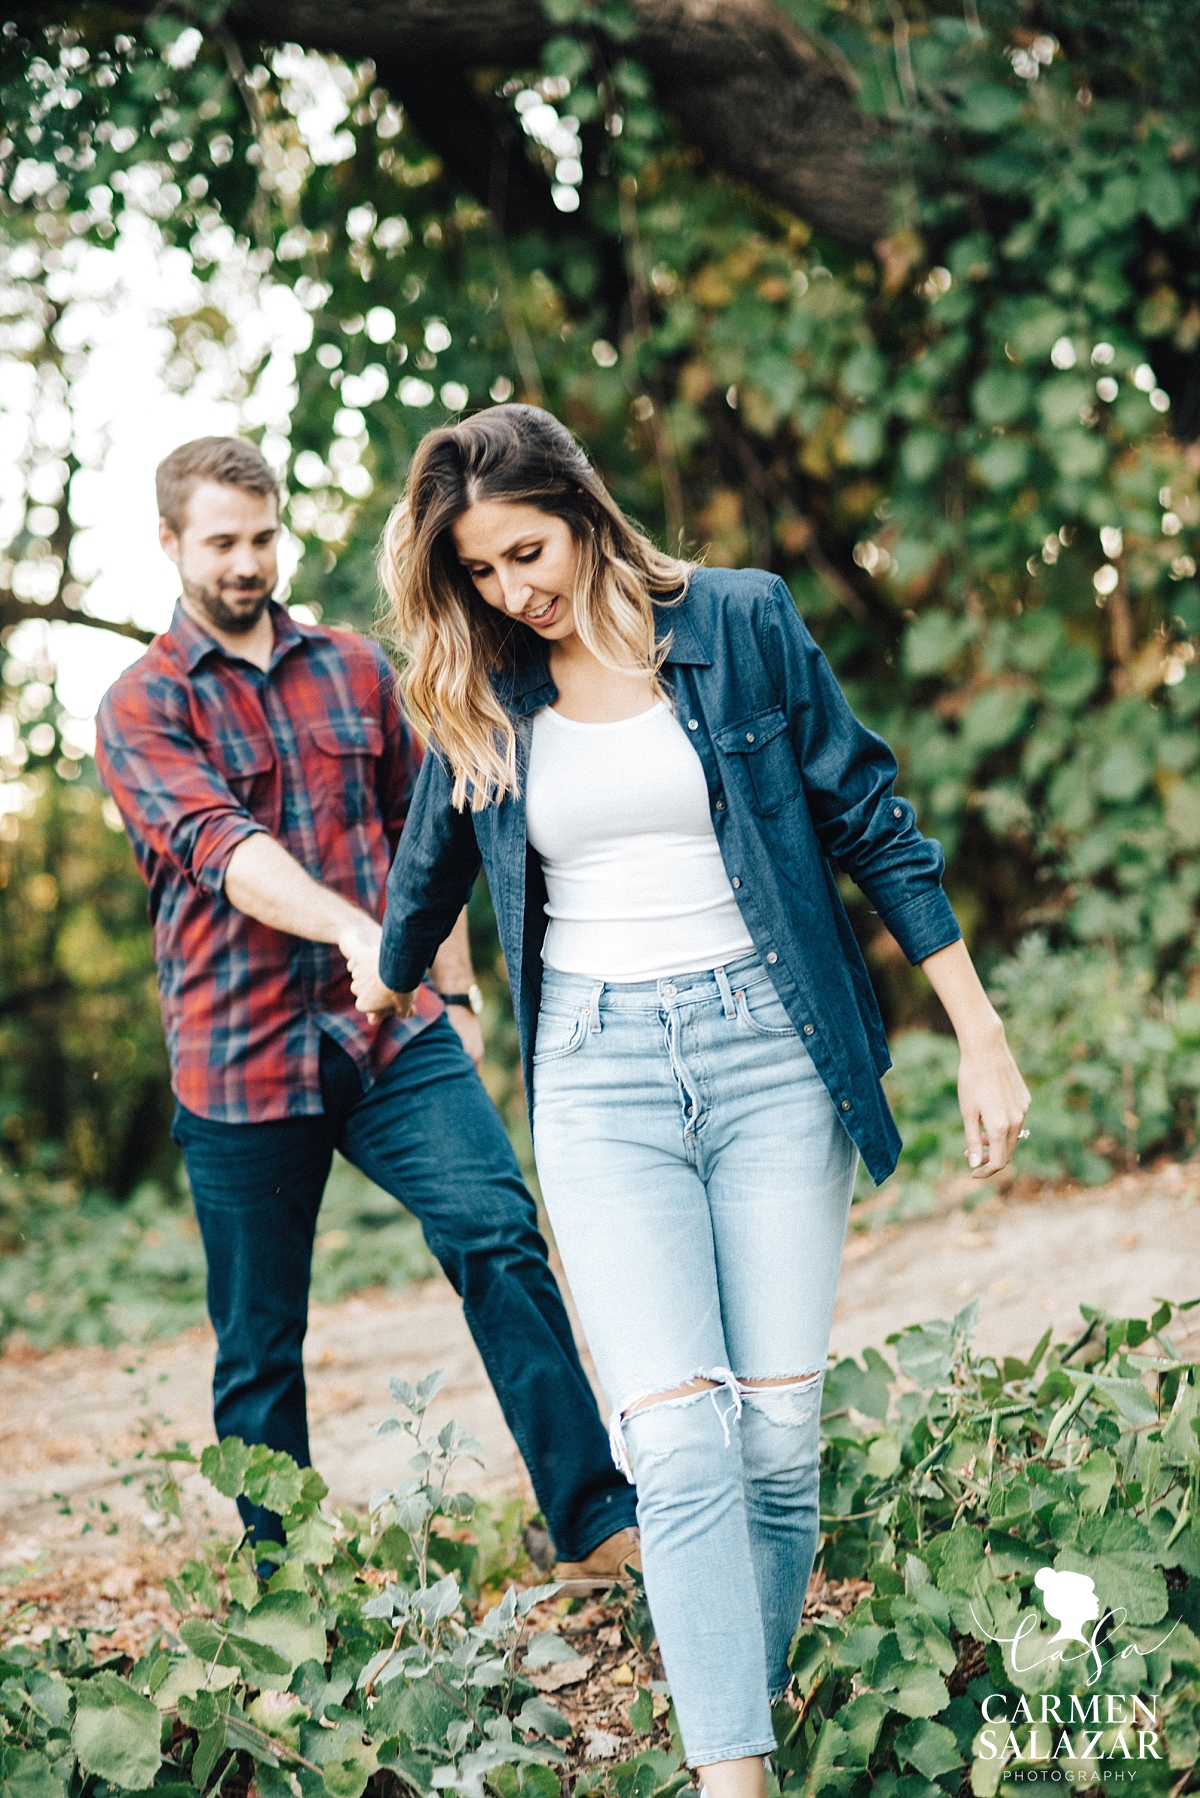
(618, 814)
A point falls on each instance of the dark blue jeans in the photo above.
(428, 1134)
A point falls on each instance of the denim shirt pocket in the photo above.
(354, 745)
(760, 750)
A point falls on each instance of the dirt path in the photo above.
(77, 1425)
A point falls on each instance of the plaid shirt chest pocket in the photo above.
(246, 762)
(349, 749)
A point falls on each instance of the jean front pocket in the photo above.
(762, 1010)
(559, 1034)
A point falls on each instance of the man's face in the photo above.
(225, 554)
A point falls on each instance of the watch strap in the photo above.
(471, 1000)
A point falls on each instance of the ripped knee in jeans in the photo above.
(785, 1398)
(781, 1398)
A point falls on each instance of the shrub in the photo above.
(1112, 1064)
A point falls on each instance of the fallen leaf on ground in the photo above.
(563, 1673)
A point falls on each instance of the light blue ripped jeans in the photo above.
(698, 1182)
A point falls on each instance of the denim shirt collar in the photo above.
(525, 684)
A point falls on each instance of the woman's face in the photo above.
(523, 562)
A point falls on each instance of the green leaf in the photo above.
(209, 1749)
(1164, 198)
(1080, 454)
(535, 1714)
(1000, 396)
(919, 1635)
(1003, 463)
(273, 1480)
(641, 1713)
(26, 1773)
(926, 1352)
(548, 1647)
(922, 454)
(116, 1732)
(849, 1386)
(1179, 1440)
(224, 1465)
(929, 1747)
(422, 1712)
(291, 1625)
(1095, 1479)
(1061, 400)
(962, 1559)
(311, 1541)
(988, 107)
(345, 1779)
(1124, 1582)
(935, 640)
(189, 1674)
(210, 1642)
(861, 443)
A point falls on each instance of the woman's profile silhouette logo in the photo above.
(1070, 1598)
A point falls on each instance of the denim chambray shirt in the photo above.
(797, 787)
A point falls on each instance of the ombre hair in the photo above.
(451, 641)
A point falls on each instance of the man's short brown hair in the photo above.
(231, 461)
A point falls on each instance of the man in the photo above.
(263, 770)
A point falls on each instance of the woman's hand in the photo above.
(993, 1100)
(992, 1096)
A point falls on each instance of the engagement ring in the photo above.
(1022, 1135)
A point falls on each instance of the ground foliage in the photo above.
(373, 1657)
(969, 454)
(89, 1269)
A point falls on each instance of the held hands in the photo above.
(359, 943)
(994, 1099)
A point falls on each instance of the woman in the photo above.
(657, 760)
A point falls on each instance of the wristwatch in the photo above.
(472, 999)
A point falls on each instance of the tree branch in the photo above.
(16, 611)
(761, 100)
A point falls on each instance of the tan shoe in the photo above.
(606, 1563)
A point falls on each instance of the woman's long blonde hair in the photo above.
(451, 642)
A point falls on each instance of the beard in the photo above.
(250, 602)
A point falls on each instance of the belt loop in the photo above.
(594, 1008)
(726, 992)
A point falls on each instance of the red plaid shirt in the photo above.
(200, 749)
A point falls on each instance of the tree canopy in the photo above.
(899, 300)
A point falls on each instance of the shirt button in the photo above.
(693, 724)
(749, 736)
(719, 806)
(845, 1104)
(772, 958)
(735, 882)
(896, 812)
(808, 1030)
